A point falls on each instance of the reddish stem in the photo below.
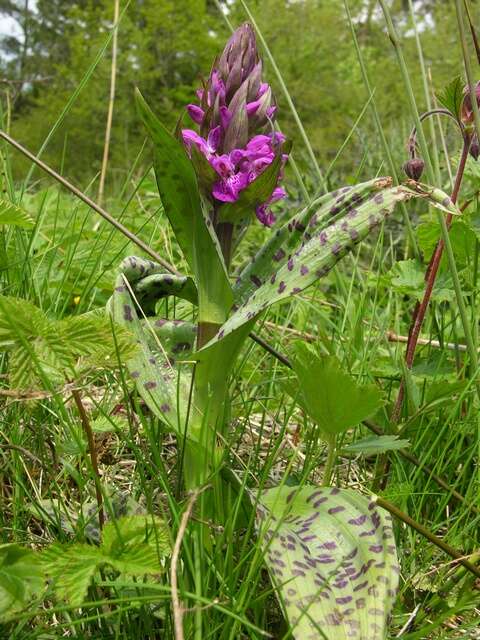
(430, 277)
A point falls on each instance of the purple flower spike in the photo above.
(235, 116)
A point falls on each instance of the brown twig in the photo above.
(93, 454)
(426, 533)
(394, 337)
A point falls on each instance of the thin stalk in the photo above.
(330, 463)
(383, 140)
(93, 454)
(430, 277)
(468, 66)
(111, 101)
(426, 533)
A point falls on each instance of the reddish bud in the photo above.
(474, 148)
(414, 168)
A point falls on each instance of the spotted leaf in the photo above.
(332, 557)
(156, 378)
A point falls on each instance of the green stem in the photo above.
(330, 463)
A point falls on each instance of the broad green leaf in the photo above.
(20, 578)
(376, 444)
(332, 557)
(177, 185)
(177, 337)
(451, 97)
(408, 276)
(332, 398)
(11, 214)
(132, 545)
(71, 569)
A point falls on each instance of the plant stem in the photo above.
(111, 101)
(426, 533)
(330, 463)
(430, 277)
(93, 454)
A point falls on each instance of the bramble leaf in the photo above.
(333, 399)
(451, 97)
(332, 557)
(11, 214)
(20, 578)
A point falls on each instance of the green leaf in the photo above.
(376, 444)
(132, 545)
(20, 578)
(328, 395)
(287, 270)
(11, 214)
(177, 185)
(408, 277)
(451, 97)
(331, 555)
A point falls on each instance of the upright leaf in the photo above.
(331, 554)
(451, 97)
(178, 188)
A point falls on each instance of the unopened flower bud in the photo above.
(467, 113)
(474, 148)
(414, 168)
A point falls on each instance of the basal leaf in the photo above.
(155, 377)
(177, 185)
(451, 97)
(331, 554)
(20, 578)
(11, 214)
(332, 398)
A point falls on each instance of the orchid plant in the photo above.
(215, 179)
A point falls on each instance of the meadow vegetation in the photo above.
(249, 407)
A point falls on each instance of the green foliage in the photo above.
(20, 578)
(373, 445)
(11, 214)
(452, 96)
(134, 545)
(323, 388)
(44, 351)
(332, 556)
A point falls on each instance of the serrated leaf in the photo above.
(11, 214)
(332, 398)
(331, 554)
(177, 185)
(376, 444)
(451, 97)
(20, 578)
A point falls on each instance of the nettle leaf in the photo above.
(20, 578)
(332, 556)
(11, 214)
(178, 188)
(373, 445)
(451, 97)
(332, 398)
(42, 348)
(133, 544)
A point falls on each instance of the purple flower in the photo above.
(235, 116)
